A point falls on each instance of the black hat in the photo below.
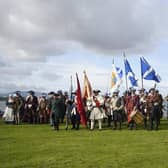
(59, 92)
(141, 90)
(31, 92)
(75, 92)
(152, 89)
(66, 93)
(132, 89)
(96, 91)
(56, 94)
(51, 93)
(18, 92)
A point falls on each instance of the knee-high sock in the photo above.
(100, 124)
(92, 124)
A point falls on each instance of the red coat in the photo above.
(133, 102)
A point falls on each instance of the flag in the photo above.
(87, 89)
(80, 106)
(147, 72)
(116, 77)
(130, 74)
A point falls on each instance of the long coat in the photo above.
(132, 104)
(56, 107)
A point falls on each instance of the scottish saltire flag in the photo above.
(130, 74)
(116, 77)
(147, 72)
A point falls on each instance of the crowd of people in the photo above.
(133, 107)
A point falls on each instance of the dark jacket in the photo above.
(56, 106)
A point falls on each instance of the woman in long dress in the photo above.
(8, 114)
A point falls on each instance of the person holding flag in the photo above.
(87, 97)
(75, 116)
(79, 103)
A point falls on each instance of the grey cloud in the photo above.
(52, 76)
(2, 64)
(33, 30)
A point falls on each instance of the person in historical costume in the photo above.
(63, 106)
(160, 105)
(56, 107)
(42, 109)
(18, 107)
(126, 97)
(143, 105)
(75, 116)
(49, 100)
(88, 109)
(97, 112)
(153, 102)
(69, 107)
(8, 115)
(132, 105)
(117, 106)
(108, 111)
(31, 107)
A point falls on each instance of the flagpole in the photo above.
(126, 81)
(71, 87)
(155, 85)
(142, 84)
(110, 75)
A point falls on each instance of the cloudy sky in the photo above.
(43, 43)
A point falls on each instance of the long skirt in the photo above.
(8, 115)
(97, 114)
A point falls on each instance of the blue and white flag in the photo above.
(147, 72)
(130, 74)
(119, 72)
(116, 77)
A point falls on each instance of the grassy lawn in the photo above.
(38, 146)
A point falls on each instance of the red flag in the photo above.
(87, 89)
(80, 106)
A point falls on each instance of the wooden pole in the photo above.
(126, 81)
(142, 84)
(71, 88)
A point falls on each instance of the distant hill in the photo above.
(23, 93)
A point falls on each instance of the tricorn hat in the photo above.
(132, 89)
(152, 89)
(141, 90)
(31, 92)
(18, 92)
(96, 91)
(51, 93)
(56, 94)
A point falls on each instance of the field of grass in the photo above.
(37, 146)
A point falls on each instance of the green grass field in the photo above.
(38, 146)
